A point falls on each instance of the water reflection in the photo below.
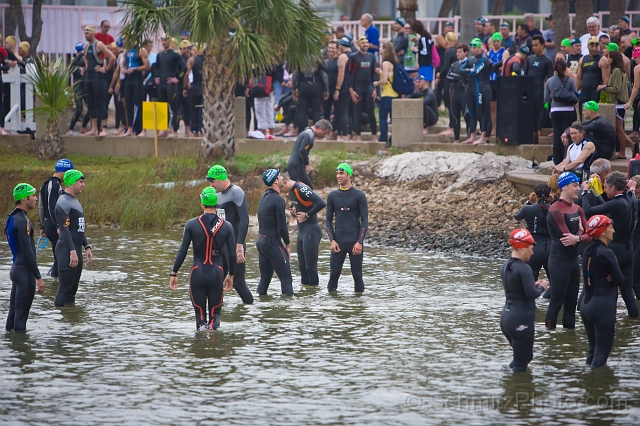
(422, 345)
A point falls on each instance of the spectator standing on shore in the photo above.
(98, 59)
(549, 45)
(530, 21)
(411, 55)
(593, 30)
(429, 103)
(479, 25)
(371, 33)
(389, 61)
(623, 23)
(104, 35)
(400, 40)
(562, 114)
(575, 53)
(426, 47)
(618, 90)
(508, 42)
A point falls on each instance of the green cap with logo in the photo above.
(217, 172)
(209, 197)
(476, 42)
(22, 191)
(345, 167)
(72, 176)
(591, 106)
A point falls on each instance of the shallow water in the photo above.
(421, 346)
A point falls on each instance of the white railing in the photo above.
(13, 120)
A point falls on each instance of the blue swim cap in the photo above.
(79, 47)
(344, 42)
(63, 165)
(566, 178)
(120, 42)
(186, 33)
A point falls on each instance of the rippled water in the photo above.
(421, 346)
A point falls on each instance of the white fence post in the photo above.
(13, 119)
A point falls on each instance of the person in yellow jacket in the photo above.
(389, 60)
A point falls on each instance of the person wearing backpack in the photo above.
(426, 49)
(562, 113)
(389, 62)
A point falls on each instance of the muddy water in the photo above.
(421, 346)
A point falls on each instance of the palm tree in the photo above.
(584, 10)
(54, 97)
(267, 32)
(561, 23)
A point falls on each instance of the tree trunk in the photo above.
(561, 29)
(15, 18)
(408, 9)
(616, 10)
(445, 8)
(14, 13)
(356, 12)
(498, 8)
(217, 112)
(469, 11)
(373, 8)
(633, 4)
(52, 146)
(584, 10)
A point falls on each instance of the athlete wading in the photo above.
(517, 320)
(272, 233)
(24, 272)
(70, 220)
(349, 206)
(210, 234)
(232, 206)
(49, 193)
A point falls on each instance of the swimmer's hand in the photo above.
(542, 283)
(73, 259)
(239, 253)
(40, 284)
(173, 283)
(89, 255)
(288, 251)
(569, 239)
(357, 249)
(228, 283)
(335, 248)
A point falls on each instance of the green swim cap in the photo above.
(217, 172)
(72, 176)
(22, 191)
(612, 47)
(345, 167)
(476, 42)
(496, 37)
(208, 197)
(565, 42)
(591, 106)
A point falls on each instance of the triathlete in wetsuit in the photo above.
(566, 223)
(478, 71)
(331, 68)
(622, 208)
(49, 193)
(361, 71)
(455, 90)
(309, 88)
(299, 160)
(600, 131)
(593, 71)
(168, 71)
(349, 205)
(517, 320)
(24, 272)
(136, 63)
(342, 96)
(196, 96)
(70, 219)
(210, 235)
(536, 217)
(540, 66)
(272, 227)
(232, 207)
(602, 277)
(306, 205)
(450, 56)
(94, 78)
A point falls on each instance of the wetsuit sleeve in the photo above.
(329, 218)
(521, 214)
(318, 203)
(181, 67)
(231, 248)
(528, 282)
(282, 221)
(582, 232)
(25, 243)
(614, 267)
(305, 143)
(184, 247)
(295, 77)
(547, 93)
(325, 80)
(549, 68)
(52, 200)
(348, 72)
(64, 219)
(591, 210)
(364, 217)
(243, 214)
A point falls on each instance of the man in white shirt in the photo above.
(593, 30)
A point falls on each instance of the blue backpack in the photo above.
(402, 82)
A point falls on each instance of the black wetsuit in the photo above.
(24, 270)
(517, 320)
(77, 65)
(602, 277)
(309, 232)
(170, 64)
(331, 67)
(623, 211)
(455, 90)
(449, 57)
(185, 104)
(602, 133)
(133, 90)
(536, 217)
(196, 94)
(210, 235)
(70, 220)
(94, 85)
(232, 207)
(591, 79)
(360, 73)
(49, 193)
(311, 86)
(429, 106)
(478, 71)
(541, 68)
(299, 159)
(351, 223)
(341, 115)
(564, 270)
(272, 228)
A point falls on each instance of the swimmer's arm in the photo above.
(520, 214)
(243, 214)
(318, 204)
(26, 244)
(583, 220)
(589, 148)
(231, 248)
(364, 217)
(528, 283)
(282, 221)
(184, 247)
(63, 219)
(599, 208)
(614, 268)
(329, 218)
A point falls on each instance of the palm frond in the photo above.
(51, 85)
(144, 19)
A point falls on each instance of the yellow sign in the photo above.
(155, 116)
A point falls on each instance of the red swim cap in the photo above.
(597, 225)
(521, 238)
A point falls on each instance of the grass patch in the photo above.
(121, 191)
